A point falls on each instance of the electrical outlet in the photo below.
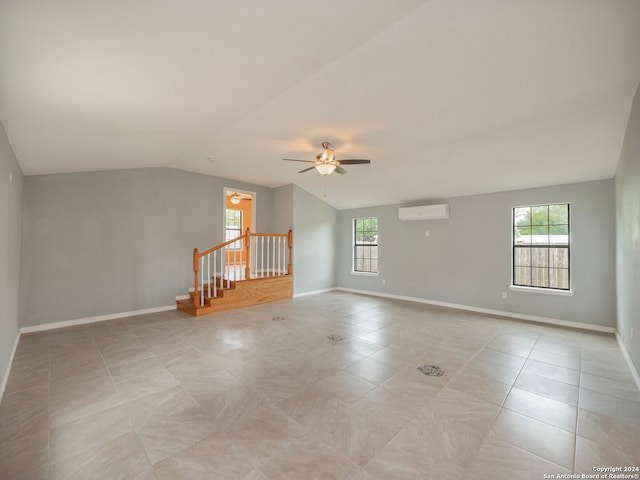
(426, 234)
(631, 336)
(384, 282)
(504, 295)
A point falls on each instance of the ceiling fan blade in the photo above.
(353, 161)
(295, 160)
(306, 169)
(340, 170)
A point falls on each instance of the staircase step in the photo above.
(186, 306)
(220, 289)
(242, 294)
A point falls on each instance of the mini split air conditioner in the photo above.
(425, 212)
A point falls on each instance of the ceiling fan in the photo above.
(326, 163)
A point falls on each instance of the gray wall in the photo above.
(315, 235)
(282, 209)
(466, 260)
(10, 231)
(628, 236)
(110, 242)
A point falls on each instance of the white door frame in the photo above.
(254, 198)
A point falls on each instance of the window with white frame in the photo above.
(541, 246)
(365, 245)
(233, 226)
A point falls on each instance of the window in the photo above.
(365, 245)
(233, 226)
(541, 246)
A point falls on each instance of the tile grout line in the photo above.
(125, 403)
(49, 409)
(575, 435)
(500, 407)
(519, 372)
(503, 407)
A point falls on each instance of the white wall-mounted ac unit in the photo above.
(425, 212)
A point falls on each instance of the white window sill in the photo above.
(364, 274)
(546, 291)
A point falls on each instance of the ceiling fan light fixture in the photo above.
(325, 168)
(235, 198)
(326, 163)
(328, 155)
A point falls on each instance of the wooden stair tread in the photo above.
(243, 293)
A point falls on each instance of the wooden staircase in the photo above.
(244, 282)
(242, 293)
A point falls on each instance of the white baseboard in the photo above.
(627, 357)
(5, 378)
(98, 318)
(314, 292)
(501, 313)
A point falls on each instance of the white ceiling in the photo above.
(446, 97)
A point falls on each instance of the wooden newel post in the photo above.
(290, 242)
(247, 267)
(196, 267)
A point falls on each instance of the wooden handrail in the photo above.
(222, 245)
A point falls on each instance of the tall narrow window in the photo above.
(233, 226)
(365, 245)
(541, 246)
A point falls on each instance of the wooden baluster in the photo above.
(228, 271)
(266, 257)
(202, 281)
(265, 269)
(195, 277)
(209, 275)
(281, 255)
(290, 242)
(271, 255)
(247, 268)
(215, 279)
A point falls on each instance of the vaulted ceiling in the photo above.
(447, 98)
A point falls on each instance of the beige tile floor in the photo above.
(261, 393)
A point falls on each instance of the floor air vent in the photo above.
(335, 337)
(431, 370)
